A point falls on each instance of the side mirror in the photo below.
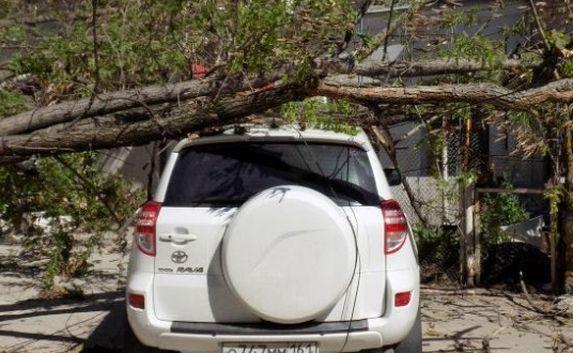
(393, 176)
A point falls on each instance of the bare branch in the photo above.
(138, 125)
(421, 68)
(105, 132)
(388, 28)
(107, 103)
(381, 37)
(435, 67)
(539, 25)
(558, 91)
(104, 104)
(385, 139)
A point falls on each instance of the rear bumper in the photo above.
(387, 330)
(266, 328)
(163, 335)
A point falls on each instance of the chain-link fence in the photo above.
(434, 219)
(504, 190)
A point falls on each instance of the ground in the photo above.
(453, 321)
(490, 321)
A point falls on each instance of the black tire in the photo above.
(413, 342)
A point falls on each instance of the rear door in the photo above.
(209, 182)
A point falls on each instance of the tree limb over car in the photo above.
(177, 120)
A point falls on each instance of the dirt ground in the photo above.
(485, 321)
(453, 321)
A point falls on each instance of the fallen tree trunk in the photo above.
(141, 125)
(107, 103)
(558, 91)
(384, 137)
(107, 132)
(433, 67)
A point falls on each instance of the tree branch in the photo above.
(381, 37)
(421, 68)
(434, 67)
(480, 93)
(107, 103)
(106, 132)
(138, 126)
(384, 137)
(388, 29)
(539, 26)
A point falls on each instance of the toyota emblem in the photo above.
(179, 257)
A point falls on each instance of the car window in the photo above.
(228, 174)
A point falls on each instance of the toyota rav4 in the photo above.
(274, 240)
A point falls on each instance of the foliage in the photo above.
(437, 246)
(554, 195)
(367, 42)
(530, 132)
(11, 103)
(335, 115)
(476, 47)
(453, 18)
(558, 39)
(518, 28)
(142, 42)
(562, 41)
(63, 205)
(12, 35)
(566, 68)
(500, 209)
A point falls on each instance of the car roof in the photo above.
(283, 133)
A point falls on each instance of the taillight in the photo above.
(136, 300)
(145, 227)
(395, 226)
(402, 299)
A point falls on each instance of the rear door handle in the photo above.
(178, 238)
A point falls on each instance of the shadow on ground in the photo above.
(452, 322)
(113, 334)
(51, 324)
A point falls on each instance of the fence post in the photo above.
(470, 261)
(469, 257)
(477, 235)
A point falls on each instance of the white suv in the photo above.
(274, 240)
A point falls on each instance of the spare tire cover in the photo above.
(289, 254)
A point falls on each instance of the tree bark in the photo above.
(481, 93)
(106, 103)
(126, 128)
(387, 69)
(432, 67)
(567, 213)
(106, 132)
(384, 137)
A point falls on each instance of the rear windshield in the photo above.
(228, 174)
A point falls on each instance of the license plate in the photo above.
(294, 347)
